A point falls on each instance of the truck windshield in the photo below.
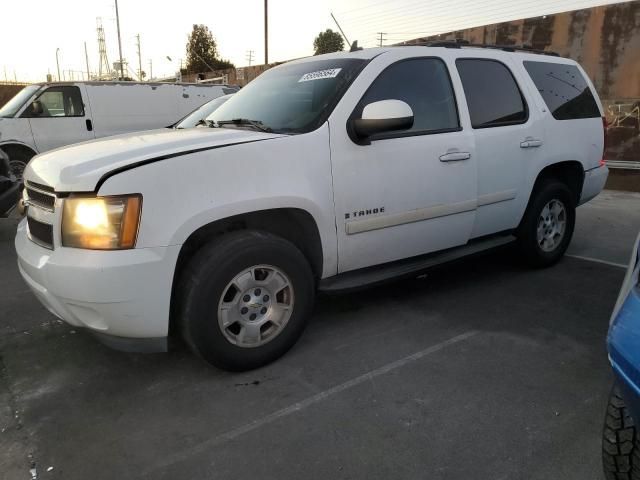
(295, 98)
(12, 106)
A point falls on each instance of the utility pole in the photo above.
(249, 56)
(150, 69)
(266, 33)
(57, 64)
(119, 42)
(6, 80)
(139, 59)
(381, 39)
(340, 28)
(86, 58)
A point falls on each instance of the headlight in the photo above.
(101, 223)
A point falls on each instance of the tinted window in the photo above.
(57, 102)
(493, 96)
(564, 90)
(424, 84)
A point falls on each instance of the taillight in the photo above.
(605, 128)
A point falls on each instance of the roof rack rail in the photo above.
(459, 43)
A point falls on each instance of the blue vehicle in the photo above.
(621, 439)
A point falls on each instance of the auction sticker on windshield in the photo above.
(320, 74)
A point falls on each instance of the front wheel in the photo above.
(547, 227)
(245, 299)
(620, 446)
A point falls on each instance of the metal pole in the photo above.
(119, 42)
(340, 28)
(139, 59)
(266, 32)
(58, 63)
(86, 57)
(150, 69)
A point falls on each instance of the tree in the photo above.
(327, 42)
(202, 52)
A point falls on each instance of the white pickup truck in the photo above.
(326, 173)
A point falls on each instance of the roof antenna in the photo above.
(354, 47)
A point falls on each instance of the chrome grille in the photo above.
(40, 199)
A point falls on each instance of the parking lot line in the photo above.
(597, 260)
(318, 397)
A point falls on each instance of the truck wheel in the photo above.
(18, 160)
(620, 449)
(245, 299)
(546, 229)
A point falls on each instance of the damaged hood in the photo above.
(79, 167)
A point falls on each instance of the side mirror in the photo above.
(36, 109)
(383, 116)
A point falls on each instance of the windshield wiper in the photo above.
(257, 124)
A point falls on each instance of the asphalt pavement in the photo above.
(479, 370)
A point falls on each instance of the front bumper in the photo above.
(594, 181)
(120, 295)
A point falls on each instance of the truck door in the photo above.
(409, 192)
(508, 135)
(59, 117)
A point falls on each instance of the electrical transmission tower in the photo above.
(381, 38)
(249, 56)
(103, 64)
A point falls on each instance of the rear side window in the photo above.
(564, 90)
(424, 84)
(493, 96)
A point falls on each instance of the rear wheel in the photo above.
(620, 449)
(245, 299)
(547, 227)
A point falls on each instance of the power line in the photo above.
(459, 22)
(417, 15)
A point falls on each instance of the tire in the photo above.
(234, 280)
(18, 162)
(620, 446)
(554, 194)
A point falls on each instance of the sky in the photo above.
(32, 30)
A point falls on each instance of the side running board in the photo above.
(404, 268)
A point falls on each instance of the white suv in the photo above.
(326, 173)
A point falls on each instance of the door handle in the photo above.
(455, 156)
(89, 125)
(530, 142)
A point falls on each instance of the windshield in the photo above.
(295, 98)
(202, 112)
(12, 106)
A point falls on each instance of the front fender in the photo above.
(184, 193)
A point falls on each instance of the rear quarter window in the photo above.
(564, 90)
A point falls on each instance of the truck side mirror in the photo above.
(383, 116)
(35, 109)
